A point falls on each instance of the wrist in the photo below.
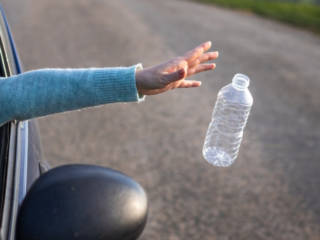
(138, 80)
(138, 77)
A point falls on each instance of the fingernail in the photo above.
(217, 53)
(214, 65)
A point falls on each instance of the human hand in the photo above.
(171, 74)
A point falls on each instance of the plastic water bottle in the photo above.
(229, 118)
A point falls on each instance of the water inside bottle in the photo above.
(217, 157)
(225, 131)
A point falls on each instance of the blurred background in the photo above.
(272, 190)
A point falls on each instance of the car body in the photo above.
(20, 152)
(68, 202)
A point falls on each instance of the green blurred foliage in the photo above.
(302, 13)
(298, 1)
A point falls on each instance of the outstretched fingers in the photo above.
(204, 58)
(208, 56)
(201, 68)
(193, 54)
(189, 84)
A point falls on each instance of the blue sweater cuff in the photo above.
(122, 82)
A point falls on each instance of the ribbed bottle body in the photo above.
(225, 131)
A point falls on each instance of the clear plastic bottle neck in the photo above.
(240, 81)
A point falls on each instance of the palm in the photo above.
(172, 74)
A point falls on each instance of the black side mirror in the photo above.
(83, 202)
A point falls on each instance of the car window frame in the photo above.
(16, 166)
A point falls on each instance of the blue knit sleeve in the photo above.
(46, 91)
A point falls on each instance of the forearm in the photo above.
(42, 92)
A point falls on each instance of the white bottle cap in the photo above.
(240, 81)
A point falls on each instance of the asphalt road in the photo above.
(272, 190)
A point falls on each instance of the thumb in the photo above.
(175, 76)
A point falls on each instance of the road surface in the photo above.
(272, 190)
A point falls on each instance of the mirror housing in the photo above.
(83, 202)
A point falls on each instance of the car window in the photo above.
(3, 66)
(4, 153)
(10, 163)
